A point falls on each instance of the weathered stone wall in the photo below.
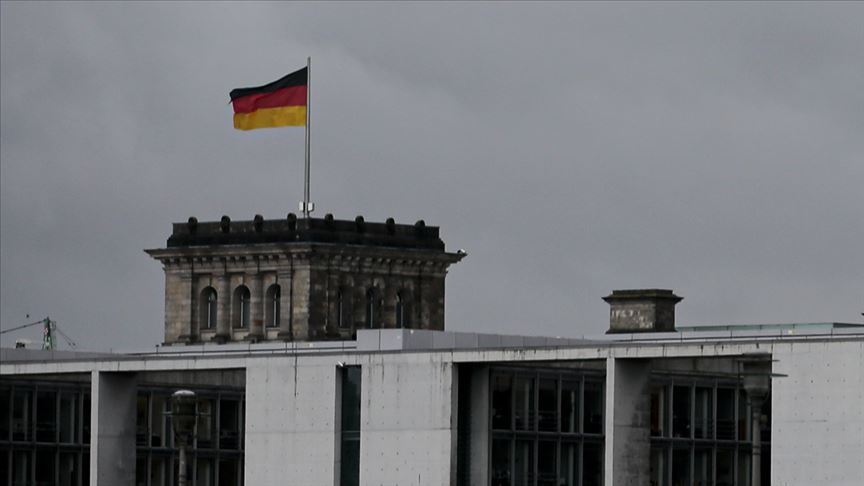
(311, 278)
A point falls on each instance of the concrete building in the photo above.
(651, 403)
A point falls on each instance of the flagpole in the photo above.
(306, 204)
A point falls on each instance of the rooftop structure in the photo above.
(300, 279)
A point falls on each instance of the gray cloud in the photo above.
(571, 148)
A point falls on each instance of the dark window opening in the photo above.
(241, 307)
(272, 311)
(349, 466)
(207, 309)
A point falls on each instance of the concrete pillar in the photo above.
(256, 301)
(628, 422)
(112, 429)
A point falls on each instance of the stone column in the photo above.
(223, 317)
(256, 314)
(285, 280)
(112, 429)
(628, 422)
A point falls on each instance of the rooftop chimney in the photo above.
(641, 310)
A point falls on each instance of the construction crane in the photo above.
(49, 329)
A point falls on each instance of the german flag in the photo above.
(281, 103)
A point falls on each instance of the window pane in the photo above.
(5, 416)
(67, 470)
(501, 462)
(569, 406)
(593, 408)
(524, 403)
(349, 472)
(743, 468)
(21, 468)
(704, 419)
(205, 472)
(547, 467)
(680, 467)
(524, 463)
(229, 424)
(592, 464)
(658, 466)
(68, 417)
(21, 415)
(44, 467)
(206, 423)
(502, 404)
(548, 405)
(569, 475)
(681, 412)
(702, 460)
(157, 422)
(725, 467)
(46, 416)
(725, 414)
(228, 472)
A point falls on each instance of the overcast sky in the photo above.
(571, 149)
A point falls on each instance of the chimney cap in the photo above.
(640, 294)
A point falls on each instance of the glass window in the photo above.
(229, 424)
(704, 413)
(206, 423)
(67, 471)
(372, 309)
(46, 416)
(207, 308)
(523, 463)
(725, 467)
(142, 425)
(205, 472)
(569, 472)
(401, 312)
(5, 416)
(743, 417)
(547, 467)
(21, 468)
(158, 422)
(21, 415)
(592, 463)
(229, 472)
(502, 402)
(68, 417)
(725, 414)
(501, 462)
(702, 471)
(570, 406)
(241, 307)
(658, 466)
(524, 409)
(349, 471)
(593, 405)
(680, 467)
(547, 402)
(658, 411)
(272, 311)
(681, 412)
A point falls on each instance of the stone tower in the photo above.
(300, 279)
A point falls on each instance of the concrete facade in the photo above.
(410, 397)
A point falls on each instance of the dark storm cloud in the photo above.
(570, 148)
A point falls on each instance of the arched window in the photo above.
(372, 309)
(207, 309)
(240, 307)
(402, 315)
(272, 310)
(340, 309)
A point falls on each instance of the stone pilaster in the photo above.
(286, 280)
(256, 302)
(223, 316)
